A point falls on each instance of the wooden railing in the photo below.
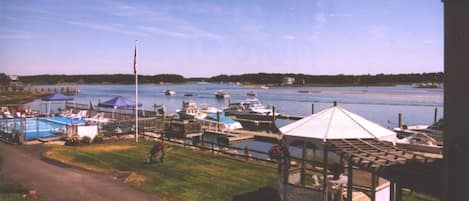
(246, 152)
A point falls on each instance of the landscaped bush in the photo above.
(85, 140)
(278, 152)
(98, 139)
(73, 140)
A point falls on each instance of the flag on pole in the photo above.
(136, 92)
(135, 58)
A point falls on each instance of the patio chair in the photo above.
(316, 182)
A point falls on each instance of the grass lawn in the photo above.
(184, 175)
(407, 196)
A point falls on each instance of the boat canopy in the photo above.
(223, 118)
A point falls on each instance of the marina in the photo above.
(386, 99)
(234, 100)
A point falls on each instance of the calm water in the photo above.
(378, 104)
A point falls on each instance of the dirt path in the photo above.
(23, 164)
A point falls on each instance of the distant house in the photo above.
(288, 81)
(11, 83)
(13, 78)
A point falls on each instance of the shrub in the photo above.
(85, 140)
(98, 139)
(72, 140)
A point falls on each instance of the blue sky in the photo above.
(206, 38)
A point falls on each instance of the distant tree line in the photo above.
(101, 79)
(300, 79)
(253, 78)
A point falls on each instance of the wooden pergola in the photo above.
(374, 156)
(357, 141)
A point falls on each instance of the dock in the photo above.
(244, 135)
(290, 117)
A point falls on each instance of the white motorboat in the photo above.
(207, 116)
(251, 109)
(222, 94)
(169, 92)
(254, 105)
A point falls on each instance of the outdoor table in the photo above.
(334, 187)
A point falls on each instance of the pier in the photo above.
(244, 135)
(290, 117)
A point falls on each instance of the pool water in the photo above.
(39, 127)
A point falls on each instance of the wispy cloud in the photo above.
(251, 29)
(106, 27)
(16, 35)
(378, 31)
(182, 32)
(158, 30)
(162, 21)
(429, 42)
(289, 37)
(319, 19)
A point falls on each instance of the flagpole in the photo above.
(136, 92)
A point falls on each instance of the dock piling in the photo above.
(435, 116)
(246, 153)
(273, 118)
(312, 108)
(400, 120)
(218, 120)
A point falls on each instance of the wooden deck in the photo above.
(243, 135)
(290, 117)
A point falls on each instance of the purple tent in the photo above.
(55, 97)
(119, 102)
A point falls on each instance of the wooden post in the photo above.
(341, 160)
(373, 186)
(392, 191)
(400, 120)
(218, 121)
(435, 116)
(324, 179)
(284, 173)
(398, 191)
(273, 119)
(203, 138)
(350, 181)
(312, 108)
(246, 153)
(212, 147)
(303, 156)
(455, 177)
(335, 103)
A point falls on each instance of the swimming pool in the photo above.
(39, 127)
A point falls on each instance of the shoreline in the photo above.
(17, 98)
(241, 84)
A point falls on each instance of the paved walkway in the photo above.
(23, 165)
